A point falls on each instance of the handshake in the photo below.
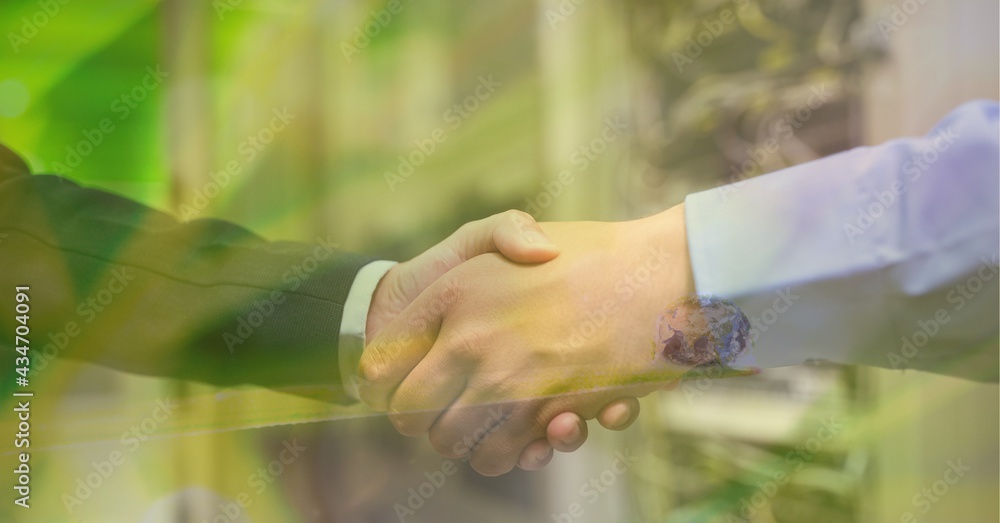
(502, 340)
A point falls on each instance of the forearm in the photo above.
(847, 258)
(116, 283)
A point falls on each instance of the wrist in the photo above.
(668, 230)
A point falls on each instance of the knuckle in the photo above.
(542, 419)
(467, 344)
(372, 368)
(449, 290)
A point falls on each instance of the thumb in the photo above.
(515, 234)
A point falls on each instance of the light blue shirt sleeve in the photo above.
(355, 321)
(884, 256)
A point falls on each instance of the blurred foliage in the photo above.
(716, 77)
(696, 113)
(715, 81)
(73, 66)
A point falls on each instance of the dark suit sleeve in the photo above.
(119, 284)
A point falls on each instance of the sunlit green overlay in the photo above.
(381, 127)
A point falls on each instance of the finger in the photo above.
(519, 238)
(402, 344)
(425, 393)
(619, 414)
(566, 432)
(515, 234)
(536, 455)
(464, 427)
(496, 434)
(494, 456)
(503, 448)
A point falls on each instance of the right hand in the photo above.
(517, 236)
(495, 336)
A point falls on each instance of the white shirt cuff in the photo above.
(355, 321)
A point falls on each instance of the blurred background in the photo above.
(385, 125)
